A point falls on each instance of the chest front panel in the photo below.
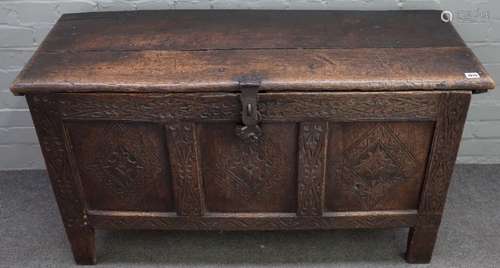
(318, 153)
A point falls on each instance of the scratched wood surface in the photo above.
(223, 29)
(194, 51)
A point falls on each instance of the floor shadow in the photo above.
(384, 245)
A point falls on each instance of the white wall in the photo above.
(24, 24)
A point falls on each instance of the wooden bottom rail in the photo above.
(251, 221)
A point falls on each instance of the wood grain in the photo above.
(421, 242)
(249, 29)
(64, 180)
(363, 69)
(377, 165)
(272, 107)
(251, 221)
(446, 141)
(123, 166)
(184, 155)
(360, 116)
(313, 138)
(449, 127)
(241, 176)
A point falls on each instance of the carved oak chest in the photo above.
(251, 120)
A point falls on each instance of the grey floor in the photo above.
(31, 235)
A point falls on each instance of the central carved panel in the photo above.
(244, 176)
(249, 172)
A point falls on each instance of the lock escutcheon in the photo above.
(250, 130)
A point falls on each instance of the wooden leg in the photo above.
(421, 242)
(82, 242)
(447, 134)
(56, 150)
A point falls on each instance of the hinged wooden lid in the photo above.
(194, 51)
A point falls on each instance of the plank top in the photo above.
(213, 50)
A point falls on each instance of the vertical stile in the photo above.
(63, 176)
(184, 155)
(311, 168)
(448, 130)
(449, 126)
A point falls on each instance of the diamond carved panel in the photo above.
(371, 164)
(117, 168)
(122, 165)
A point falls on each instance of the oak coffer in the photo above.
(251, 120)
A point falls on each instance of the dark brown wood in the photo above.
(193, 51)
(242, 176)
(272, 107)
(421, 241)
(65, 182)
(311, 168)
(377, 165)
(252, 221)
(185, 158)
(449, 127)
(356, 120)
(448, 131)
(236, 184)
(280, 69)
(124, 167)
(195, 29)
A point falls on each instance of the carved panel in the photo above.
(122, 165)
(311, 168)
(184, 156)
(376, 166)
(249, 177)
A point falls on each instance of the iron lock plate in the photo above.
(250, 130)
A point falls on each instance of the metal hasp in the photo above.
(250, 131)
